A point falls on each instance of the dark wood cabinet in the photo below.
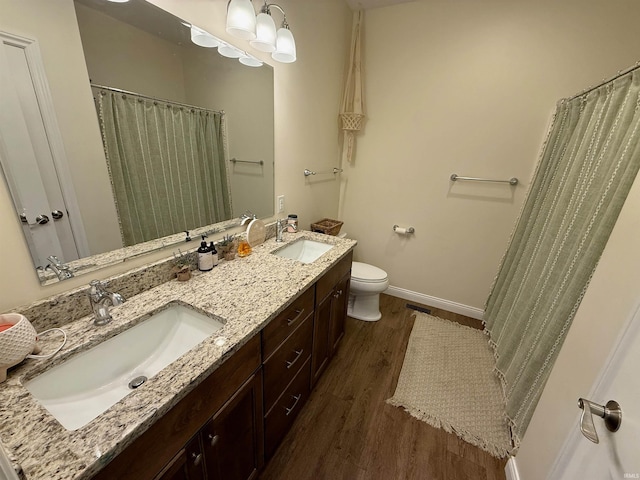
(229, 446)
(332, 295)
(321, 328)
(339, 304)
(232, 439)
(286, 348)
(178, 430)
(227, 425)
(279, 419)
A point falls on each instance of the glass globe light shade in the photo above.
(285, 46)
(229, 51)
(250, 61)
(203, 39)
(265, 40)
(241, 19)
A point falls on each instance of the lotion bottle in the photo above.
(205, 257)
(214, 252)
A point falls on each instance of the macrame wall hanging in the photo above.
(352, 109)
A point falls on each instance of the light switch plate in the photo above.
(280, 203)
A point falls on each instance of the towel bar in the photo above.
(511, 181)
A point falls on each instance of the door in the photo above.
(233, 438)
(321, 347)
(339, 312)
(27, 156)
(616, 454)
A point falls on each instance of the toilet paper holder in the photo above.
(403, 230)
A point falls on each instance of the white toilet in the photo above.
(367, 283)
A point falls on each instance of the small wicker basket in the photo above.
(327, 226)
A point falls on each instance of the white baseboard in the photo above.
(511, 469)
(448, 305)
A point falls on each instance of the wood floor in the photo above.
(347, 431)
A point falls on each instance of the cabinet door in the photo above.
(339, 303)
(188, 464)
(233, 438)
(321, 348)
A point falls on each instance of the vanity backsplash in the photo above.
(61, 309)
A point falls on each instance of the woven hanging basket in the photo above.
(352, 121)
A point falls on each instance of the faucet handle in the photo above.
(117, 299)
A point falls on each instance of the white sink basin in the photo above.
(87, 384)
(305, 250)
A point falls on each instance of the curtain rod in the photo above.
(604, 82)
(126, 92)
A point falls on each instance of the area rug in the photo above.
(447, 380)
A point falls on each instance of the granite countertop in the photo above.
(245, 293)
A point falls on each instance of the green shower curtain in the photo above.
(588, 164)
(167, 165)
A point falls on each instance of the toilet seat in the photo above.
(365, 273)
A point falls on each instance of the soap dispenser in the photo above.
(205, 257)
(214, 252)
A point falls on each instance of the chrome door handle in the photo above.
(611, 413)
(57, 214)
(42, 219)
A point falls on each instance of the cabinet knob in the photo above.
(197, 458)
(337, 294)
(214, 439)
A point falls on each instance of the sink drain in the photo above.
(136, 382)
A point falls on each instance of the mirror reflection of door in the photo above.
(27, 158)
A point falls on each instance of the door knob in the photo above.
(57, 214)
(42, 219)
(611, 413)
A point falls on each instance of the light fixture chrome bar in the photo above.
(257, 162)
(127, 92)
(511, 181)
(308, 172)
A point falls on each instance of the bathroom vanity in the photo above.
(219, 411)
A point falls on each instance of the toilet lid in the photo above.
(364, 272)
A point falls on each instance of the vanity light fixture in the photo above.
(260, 30)
(203, 38)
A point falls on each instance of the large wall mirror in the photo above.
(93, 50)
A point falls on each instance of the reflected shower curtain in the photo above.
(588, 164)
(167, 165)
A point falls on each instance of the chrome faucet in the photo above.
(61, 270)
(281, 224)
(100, 299)
(247, 217)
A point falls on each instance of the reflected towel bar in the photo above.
(257, 162)
(511, 181)
(308, 172)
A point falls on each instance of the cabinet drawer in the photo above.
(281, 417)
(286, 361)
(284, 324)
(325, 285)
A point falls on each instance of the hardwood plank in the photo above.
(348, 431)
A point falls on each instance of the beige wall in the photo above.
(246, 96)
(153, 67)
(307, 97)
(53, 25)
(465, 87)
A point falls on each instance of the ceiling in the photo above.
(366, 4)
